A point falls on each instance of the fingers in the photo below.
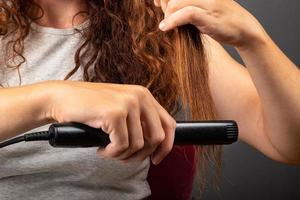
(127, 136)
(153, 132)
(166, 146)
(136, 138)
(187, 15)
(140, 128)
(170, 6)
(179, 12)
(118, 134)
(149, 148)
(161, 3)
(137, 130)
(175, 5)
(169, 126)
(163, 149)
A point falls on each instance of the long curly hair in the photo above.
(123, 44)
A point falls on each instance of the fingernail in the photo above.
(162, 25)
(155, 161)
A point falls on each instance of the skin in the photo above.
(59, 14)
(265, 93)
(138, 126)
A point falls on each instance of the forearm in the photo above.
(22, 109)
(277, 81)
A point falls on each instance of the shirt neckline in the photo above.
(59, 31)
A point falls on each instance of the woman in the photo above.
(119, 42)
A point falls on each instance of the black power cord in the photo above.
(12, 141)
(74, 134)
(37, 136)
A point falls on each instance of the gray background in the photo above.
(247, 174)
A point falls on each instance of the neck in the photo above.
(60, 13)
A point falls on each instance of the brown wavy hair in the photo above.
(123, 44)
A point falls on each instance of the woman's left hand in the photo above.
(224, 20)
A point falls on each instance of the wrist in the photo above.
(254, 40)
(257, 49)
(47, 91)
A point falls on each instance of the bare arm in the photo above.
(277, 80)
(22, 109)
(236, 97)
(264, 99)
(118, 109)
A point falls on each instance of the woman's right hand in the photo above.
(138, 126)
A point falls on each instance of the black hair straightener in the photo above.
(74, 134)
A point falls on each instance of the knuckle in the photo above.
(190, 10)
(157, 139)
(141, 91)
(137, 145)
(123, 146)
(132, 101)
(117, 113)
(95, 123)
(172, 7)
(171, 124)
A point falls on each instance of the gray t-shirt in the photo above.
(38, 171)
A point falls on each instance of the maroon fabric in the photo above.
(173, 177)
